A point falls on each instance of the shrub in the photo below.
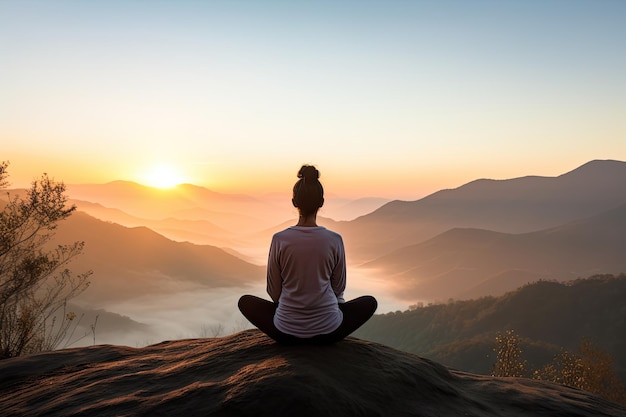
(509, 355)
(591, 369)
(35, 282)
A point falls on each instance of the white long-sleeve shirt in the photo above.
(306, 275)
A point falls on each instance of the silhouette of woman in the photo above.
(306, 278)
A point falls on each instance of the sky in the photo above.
(392, 99)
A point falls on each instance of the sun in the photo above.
(163, 176)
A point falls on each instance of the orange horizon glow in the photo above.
(340, 181)
(162, 176)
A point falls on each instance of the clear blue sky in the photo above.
(389, 98)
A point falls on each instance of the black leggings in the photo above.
(260, 312)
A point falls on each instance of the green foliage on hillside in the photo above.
(548, 317)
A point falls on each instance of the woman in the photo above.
(306, 278)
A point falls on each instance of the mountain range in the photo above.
(486, 237)
(469, 263)
(483, 238)
(232, 212)
(518, 205)
(128, 262)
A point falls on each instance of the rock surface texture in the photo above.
(247, 374)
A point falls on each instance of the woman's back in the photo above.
(306, 276)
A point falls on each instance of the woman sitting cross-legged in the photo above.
(306, 278)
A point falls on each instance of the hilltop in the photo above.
(247, 374)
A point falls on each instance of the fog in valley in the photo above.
(194, 312)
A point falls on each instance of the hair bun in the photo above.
(308, 172)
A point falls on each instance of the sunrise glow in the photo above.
(162, 176)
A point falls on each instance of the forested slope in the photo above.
(548, 316)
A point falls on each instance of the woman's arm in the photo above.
(274, 279)
(338, 278)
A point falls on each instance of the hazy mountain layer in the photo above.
(466, 263)
(517, 205)
(128, 262)
(232, 212)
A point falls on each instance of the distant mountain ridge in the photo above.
(236, 214)
(516, 205)
(130, 262)
(179, 229)
(597, 185)
(468, 263)
(185, 202)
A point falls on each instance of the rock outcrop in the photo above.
(247, 374)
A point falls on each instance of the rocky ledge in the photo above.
(247, 374)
